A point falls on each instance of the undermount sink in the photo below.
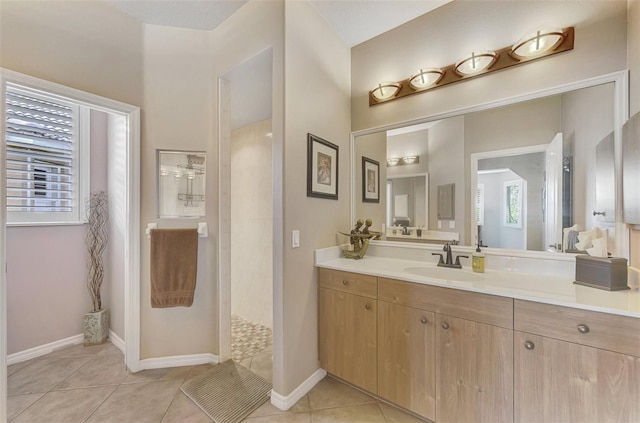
(442, 273)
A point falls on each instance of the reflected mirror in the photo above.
(530, 175)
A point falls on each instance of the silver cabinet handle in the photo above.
(345, 282)
(367, 306)
(596, 213)
(529, 345)
(445, 325)
(423, 320)
(583, 328)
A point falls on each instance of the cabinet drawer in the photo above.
(482, 308)
(351, 283)
(601, 330)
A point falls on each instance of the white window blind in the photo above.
(42, 157)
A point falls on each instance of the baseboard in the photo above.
(116, 341)
(285, 402)
(178, 361)
(41, 350)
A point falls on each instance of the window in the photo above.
(480, 205)
(47, 157)
(513, 204)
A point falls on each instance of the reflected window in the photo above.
(513, 204)
(480, 205)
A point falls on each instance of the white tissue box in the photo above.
(602, 273)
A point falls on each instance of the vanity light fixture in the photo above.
(385, 90)
(476, 62)
(425, 78)
(541, 43)
(537, 43)
(403, 161)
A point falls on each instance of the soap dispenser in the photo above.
(477, 260)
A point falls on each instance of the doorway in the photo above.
(249, 264)
(120, 124)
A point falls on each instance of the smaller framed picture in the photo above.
(322, 168)
(370, 180)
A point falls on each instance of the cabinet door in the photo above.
(347, 332)
(474, 371)
(559, 381)
(406, 358)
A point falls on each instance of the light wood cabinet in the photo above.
(347, 336)
(472, 361)
(575, 365)
(474, 371)
(406, 358)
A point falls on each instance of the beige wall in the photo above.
(373, 146)
(600, 48)
(176, 115)
(634, 97)
(252, 223)
(409, 144)
(446, 161)
(317, 101)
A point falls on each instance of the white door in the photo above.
(553, 195)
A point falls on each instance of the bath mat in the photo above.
(228, 393)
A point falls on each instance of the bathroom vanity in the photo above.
(454, 346)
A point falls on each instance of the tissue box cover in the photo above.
(602, 273)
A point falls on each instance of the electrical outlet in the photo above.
(439, 224)
(452, 224)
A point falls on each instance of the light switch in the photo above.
(452, 224)
(295, 238)
(439, 224)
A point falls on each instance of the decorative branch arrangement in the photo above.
(97, 239)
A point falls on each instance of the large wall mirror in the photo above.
(529, 173)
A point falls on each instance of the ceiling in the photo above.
(355, 21)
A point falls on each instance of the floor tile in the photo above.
(198, 370)
(16, 404)
(14, 368)
(395, 415)
(80, 350)
(183, 410)
(282, 418)
(330, 392)
(43, 374)
(71, 406)
(137, 402)
(369, 413)
(266, 409)
(99, 371)
(262, 365)
(171, 373)
(110, 349)
(301, 405)
(248, 338)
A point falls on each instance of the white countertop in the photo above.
(526, 286)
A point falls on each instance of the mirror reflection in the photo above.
(532, 175)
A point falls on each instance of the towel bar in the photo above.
(203, 229)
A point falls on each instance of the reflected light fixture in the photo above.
(476, 62)
(426, 78)
(538, 42)
(399, 161)
(536, 45)
(386, 90)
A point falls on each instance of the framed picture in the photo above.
(370, 180)
(322, 168)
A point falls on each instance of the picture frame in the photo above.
(370, 180)
(322, 168)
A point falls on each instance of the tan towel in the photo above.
(174, 261)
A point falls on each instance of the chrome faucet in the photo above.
(449, 258)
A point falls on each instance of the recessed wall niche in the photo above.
(181, 177)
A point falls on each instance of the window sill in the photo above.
(71, 223)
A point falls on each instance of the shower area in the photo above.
(252, 215)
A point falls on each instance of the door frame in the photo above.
(132, 209)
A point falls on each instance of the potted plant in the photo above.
(96, 322)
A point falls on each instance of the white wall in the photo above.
(115, 255)
(409, 144)
(633, 57)
(251, 223)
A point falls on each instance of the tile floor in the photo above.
(91, 384)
